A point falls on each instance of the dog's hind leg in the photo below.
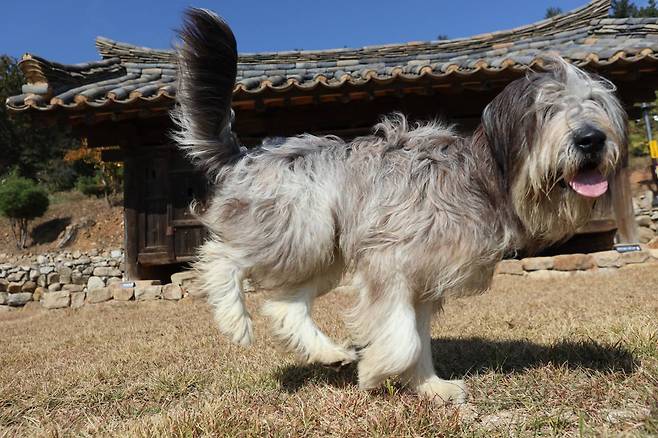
(384, 323)
(421, 376)
(221, 278)
(290, 314)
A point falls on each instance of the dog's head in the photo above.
(557, 137)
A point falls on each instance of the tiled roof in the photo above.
(130, 75)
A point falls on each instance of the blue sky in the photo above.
(64, 30)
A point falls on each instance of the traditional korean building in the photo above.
(123, 100)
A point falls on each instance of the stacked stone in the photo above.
(141, 290)
(74, 279)
(646, 216)
(568, 264)
(58, 280)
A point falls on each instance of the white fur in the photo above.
(407, 217)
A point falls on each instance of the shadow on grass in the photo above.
(49, 231)
(456, 358)
(293, 377)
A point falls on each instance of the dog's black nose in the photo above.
(589, 139)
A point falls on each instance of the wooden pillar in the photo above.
(130, 216)
(622, 203)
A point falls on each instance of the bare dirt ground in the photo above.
(67, 208)
(576, 356)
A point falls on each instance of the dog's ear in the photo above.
(508, 124)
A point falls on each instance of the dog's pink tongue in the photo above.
(589, 183)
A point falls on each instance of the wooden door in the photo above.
(154, 216)
(188, 185)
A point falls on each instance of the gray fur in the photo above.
(407, 216)
(207, 68)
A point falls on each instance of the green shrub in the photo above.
(90, 186)
(21, 200)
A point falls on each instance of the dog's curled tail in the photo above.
(207, 68)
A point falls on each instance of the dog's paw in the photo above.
(338, 358)
(443, 391)
(337, 366)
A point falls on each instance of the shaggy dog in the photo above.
(407, 216)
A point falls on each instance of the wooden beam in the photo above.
(130, 216)
(154, 258)
(598, 226)
(127, 133)
(114, 155)
(357, 114)
(622, 202)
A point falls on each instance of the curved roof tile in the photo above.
(128, 74)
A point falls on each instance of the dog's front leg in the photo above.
(384, 323)
(422, 376)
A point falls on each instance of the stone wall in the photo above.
(568, 264)
(73, 279)
(646, 216)
(55, 279)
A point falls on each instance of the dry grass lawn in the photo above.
(576, 356)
